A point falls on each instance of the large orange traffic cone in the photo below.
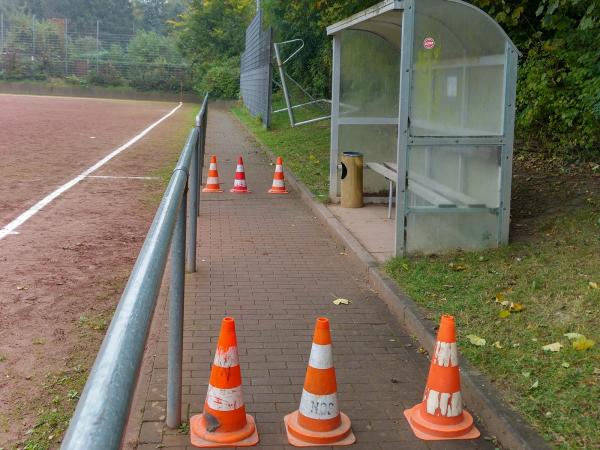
(440, 415)
(319, 421)
(278, 179)
(212, 179)
(239, 183)
(224, 422)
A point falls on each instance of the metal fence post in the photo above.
(190, 263)
(97, 43)
(176, 293)
(66, 47)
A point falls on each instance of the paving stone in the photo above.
(266, 261)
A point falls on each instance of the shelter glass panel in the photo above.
(458, 71)
(377, 143)
(454, 176)
(439, 232)
(370, 70)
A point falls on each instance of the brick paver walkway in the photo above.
(267, 262)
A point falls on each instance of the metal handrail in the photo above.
(102, 412)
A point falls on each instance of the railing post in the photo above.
(176, 290)
(193, 211)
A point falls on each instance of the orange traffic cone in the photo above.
(212, 179)
(319, 421)
(278, 179)
(239, 183)
(224, 422)
(440, 415)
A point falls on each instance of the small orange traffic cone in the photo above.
(224, 422)
(278, 179)
(319, 421)
(239, 183)
(440, 415)
(212, 179)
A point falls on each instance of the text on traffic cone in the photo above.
(224, 422)
(440, 415)
(239, 182)
(318, 420)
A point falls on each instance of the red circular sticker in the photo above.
(428, 43)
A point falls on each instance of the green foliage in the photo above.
(211, 34)
(222, 79)
(558, 94)
(150, 57)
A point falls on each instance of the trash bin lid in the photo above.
(352, 153)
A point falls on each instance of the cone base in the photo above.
(298, 436)
(201, 437)
(207, 189)
(428, 431)
(239, 191)
(271, 191)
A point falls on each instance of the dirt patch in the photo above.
(63, 274)
(544, 188)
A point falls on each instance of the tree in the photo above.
(211, 33)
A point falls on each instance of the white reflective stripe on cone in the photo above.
(239, 168)
(227, 359)
(224, 399)
(446, 354)
(321, 356)
(449, 405)
(240, 183)
(278, 169)
(319, 407)
(277, 183)
(212, 180)
(213, 166)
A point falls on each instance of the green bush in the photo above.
(222, 79)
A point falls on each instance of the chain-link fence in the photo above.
(31, 49)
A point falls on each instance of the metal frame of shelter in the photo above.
(406, 140)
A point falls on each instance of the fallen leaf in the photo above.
(503, 314)
(573, 335)
(535, 385)
(341, 301)
(405, 266)
(21, 288)
(594, 285)
(457, 267)
(566, 365)
(582, 343)
(526, 374)
(554, 347)
(499, 297)
(476, 340)
(497, 344)
(516, 307)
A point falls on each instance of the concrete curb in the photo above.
(479, 394)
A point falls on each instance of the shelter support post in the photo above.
(335, 112)
(408, 24)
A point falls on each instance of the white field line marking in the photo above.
(111, 177)
(12, 226)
